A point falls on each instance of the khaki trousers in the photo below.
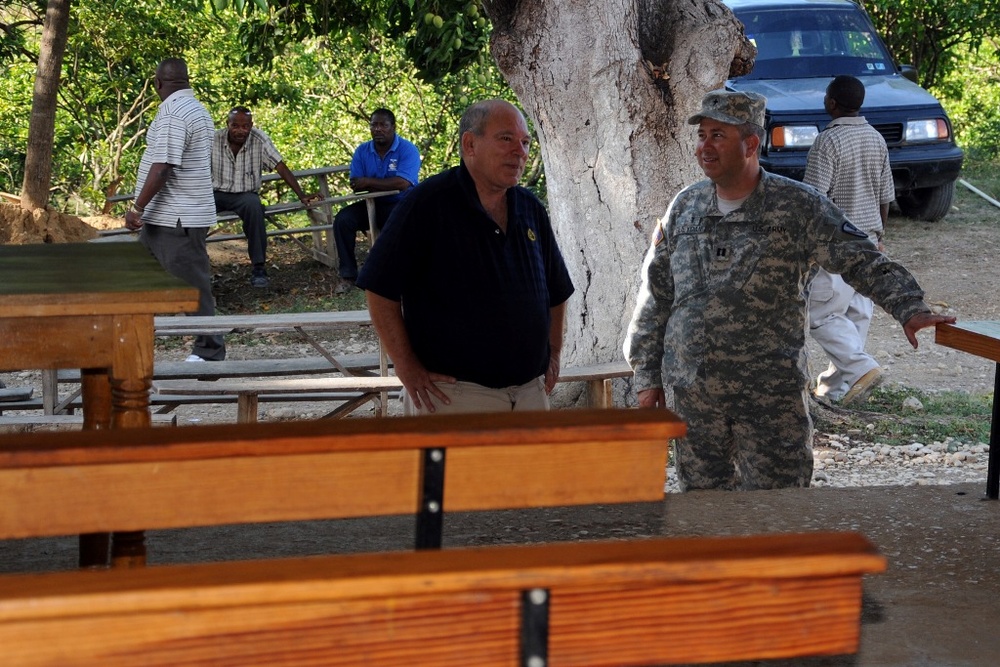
(469, 397)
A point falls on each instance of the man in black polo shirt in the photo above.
(466, 286)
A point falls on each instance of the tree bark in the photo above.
(608, 86)
(41, 127)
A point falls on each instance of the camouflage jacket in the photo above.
(722, 296)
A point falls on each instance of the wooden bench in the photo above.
(661, 601)
(136, 479)
(598, 378)
(165, 404)
(14, 422)
(249, 368)
(53, 403)
(324, 247)
(321, 174)
(202, 393)
(356, 391)
(302, 324)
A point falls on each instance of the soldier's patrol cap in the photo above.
(731, 107)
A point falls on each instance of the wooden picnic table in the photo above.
(89, 306)
(983, 340)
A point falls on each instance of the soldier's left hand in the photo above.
(922, 321)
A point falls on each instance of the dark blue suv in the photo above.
(801, 46)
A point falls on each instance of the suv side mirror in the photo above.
(910, 72)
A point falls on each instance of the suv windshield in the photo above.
(793, 44)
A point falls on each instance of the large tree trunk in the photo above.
(41, 127)
(609, 85)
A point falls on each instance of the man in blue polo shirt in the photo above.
(387, 162)
(466, 286)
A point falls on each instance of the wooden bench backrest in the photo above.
(663, 601)
(140, 479)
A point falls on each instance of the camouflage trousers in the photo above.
(743, 442)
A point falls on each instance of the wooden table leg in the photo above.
(95, 387)
(246, 408)
(993, 467)
(131, 381)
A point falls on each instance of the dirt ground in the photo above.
(955, 261)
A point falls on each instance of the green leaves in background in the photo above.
(311, 71)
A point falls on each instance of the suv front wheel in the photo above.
(929, 204)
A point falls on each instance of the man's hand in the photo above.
(552, 372)
(420, 385)
(308, 199)
(133, 220)
(922, 321)
(652, 398)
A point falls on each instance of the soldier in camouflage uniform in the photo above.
(721, 315)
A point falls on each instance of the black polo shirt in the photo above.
(475, 300)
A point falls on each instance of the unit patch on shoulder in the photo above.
(849, 229)
(658, 234)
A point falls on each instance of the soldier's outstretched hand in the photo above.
(922, 321)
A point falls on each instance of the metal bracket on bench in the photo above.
(430, 517)
(535, 627)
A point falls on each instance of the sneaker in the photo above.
(194, 358)
(259, 278)
(859, 390)
(344, 286)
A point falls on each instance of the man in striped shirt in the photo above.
(240, 152)
(174, 209)
(849, 163)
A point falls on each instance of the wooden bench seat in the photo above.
(355, 364)
(169, 393)
(248, 392)
(12, 422)
(15, 394)
(199, 325)
(167, 403)
(598, 378)
(247, 368)
(323, 248)
(662, 601)
(72, 483)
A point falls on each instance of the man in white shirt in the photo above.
(849, 163)
(174, 208)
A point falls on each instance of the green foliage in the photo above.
(947, 414)
(443, 36)
(440, 37)
(314, 99)
(15, 105)
(983, 175)
(927, 33)
(971, 93)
